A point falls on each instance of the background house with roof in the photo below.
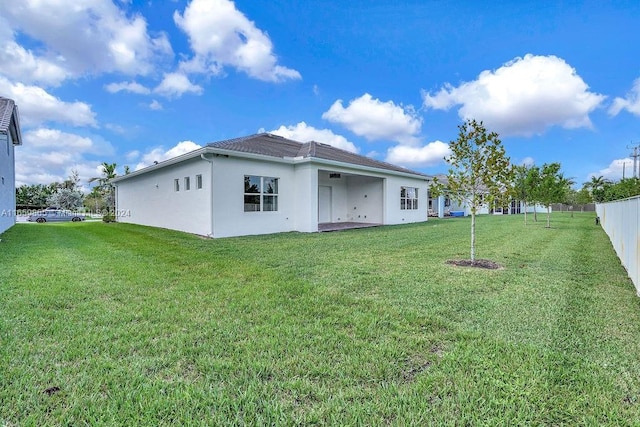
(264, 184)
(10, 137)
(444, 205)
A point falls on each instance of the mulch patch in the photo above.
(479, 263)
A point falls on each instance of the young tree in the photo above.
(532, 183)
(67, 195)
(583, 197)
(552, 187)
(65, 198)
(480, 171)
(570, 199)
(525, 182)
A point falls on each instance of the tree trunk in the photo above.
(548, 216)
(473, 237)
(525, 212)
(535, 213)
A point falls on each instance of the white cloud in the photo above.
(132, 155)
(115, 128)
(631, 103)
(305, 133)
(427, 155)
(528, 161)
(377, 120)
(132, 87)
(175, 85)
(616, 169)
(91, 36)
(49, 155)
(155, 105)
(55, 138)
(220, 36)
(21, 64)
(523, 97)
(159, 154)
(38, 106)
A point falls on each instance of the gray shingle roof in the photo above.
(277, 146)
(6, 110)
(9, 110)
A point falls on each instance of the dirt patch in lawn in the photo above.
(479, 263)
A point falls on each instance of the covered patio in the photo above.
(339, 226)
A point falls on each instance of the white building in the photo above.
(264, 184)
(445, 205)
(10, 136)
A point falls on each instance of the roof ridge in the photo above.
(277, 146)
(350, 153)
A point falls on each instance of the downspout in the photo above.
(203, 157)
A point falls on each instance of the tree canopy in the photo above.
(603, 190)
(64, 195)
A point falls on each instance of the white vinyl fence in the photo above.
(621, 221)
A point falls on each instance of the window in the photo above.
(408, 198)
(176, 184)
(260, 194)
(187, 183)
(198, 182)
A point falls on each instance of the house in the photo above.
(10, 136)
(263, 184)
(444, 205)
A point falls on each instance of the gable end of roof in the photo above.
(10, 120)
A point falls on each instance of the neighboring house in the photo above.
(10, 136)
(263, 184)
(444, 205)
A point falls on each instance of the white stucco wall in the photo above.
(151, 199)
(339, 200)
(229, 217)
(362, 196)
(395, 215)
(7, 183)
(366, 197)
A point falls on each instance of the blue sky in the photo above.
(134, 82)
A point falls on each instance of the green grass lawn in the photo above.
(128, 325)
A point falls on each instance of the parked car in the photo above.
(55, 215)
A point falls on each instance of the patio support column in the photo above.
(441, 206)
(306, 197)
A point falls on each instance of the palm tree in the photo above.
(596, 187)
(104, 183)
